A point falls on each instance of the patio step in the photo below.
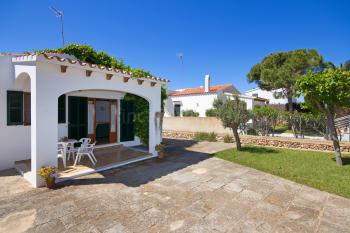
(23, 168)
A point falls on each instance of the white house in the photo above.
(46, 97)
(270, 95)
(199, 99)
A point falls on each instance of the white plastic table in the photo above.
(65, 145)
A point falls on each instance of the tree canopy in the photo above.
(281, 70)
(325, 91)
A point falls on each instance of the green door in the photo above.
(77, 117)
(127, 121)
(177, 110)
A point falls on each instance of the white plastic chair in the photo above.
(87, 150)
(61, 155)
(71, 150)
(85, 141)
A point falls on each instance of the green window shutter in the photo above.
(177, 110)
(62, 109)
(14, 108)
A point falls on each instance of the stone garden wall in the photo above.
(293, 143)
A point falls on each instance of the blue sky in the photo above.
(222, 38)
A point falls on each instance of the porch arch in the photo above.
(23, 82)
(50, 83)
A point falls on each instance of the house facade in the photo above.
(270, 95)
(47, 97)
(200, 99)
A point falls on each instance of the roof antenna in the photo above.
(59, 14)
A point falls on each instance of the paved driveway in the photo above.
(189, 191)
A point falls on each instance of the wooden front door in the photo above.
(77, 117)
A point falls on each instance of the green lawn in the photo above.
(315, 169)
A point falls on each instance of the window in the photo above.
(27, 111)
(255, 95)
(14, 108)
(62, 109)
(177, 110)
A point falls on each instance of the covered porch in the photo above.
(111, 156)
(92, 99)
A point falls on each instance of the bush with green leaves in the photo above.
(211, 112)
(212, 137)
(252, 131)
(265, 119)
(302, 122)
(190, 113)
(200, 136)
(228, 139)
(203, 136)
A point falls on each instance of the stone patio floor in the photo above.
(189, 191)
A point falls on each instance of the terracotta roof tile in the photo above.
(81, 63)
(200, 90)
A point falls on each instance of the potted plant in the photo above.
(160, 149)
(48, 174)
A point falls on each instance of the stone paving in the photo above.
(189, 191)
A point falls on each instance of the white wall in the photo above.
(200, 103)
(195, 124)
(267, 95)
(15, 140)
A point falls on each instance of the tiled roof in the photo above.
(97, 66)
(88, 65)
(200, 90)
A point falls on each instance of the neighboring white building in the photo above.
(270, 95)
(46, 97)
(199, 99)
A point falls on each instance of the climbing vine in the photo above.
(88, 54)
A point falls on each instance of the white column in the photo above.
(154, 125)
(43, 130)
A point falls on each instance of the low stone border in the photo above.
(293, 143)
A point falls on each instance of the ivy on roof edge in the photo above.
(88, 54)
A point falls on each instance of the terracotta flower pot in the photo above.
(161, 154)
(50, 183)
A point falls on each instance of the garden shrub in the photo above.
(210, 112)
(190, 113)
(203, 136)
(200, 136)
(212, 137)
(228, 139)
(252, 131)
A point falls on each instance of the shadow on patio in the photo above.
(179, 155)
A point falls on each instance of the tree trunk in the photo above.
(290, 102)
(291, 109)
(238, 141)
(334, 137)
